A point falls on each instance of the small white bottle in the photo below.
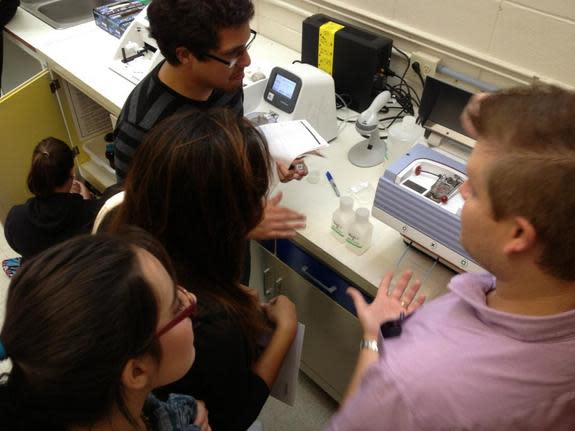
(342, 218)
(360, 231)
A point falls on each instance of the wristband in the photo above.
(369, 345)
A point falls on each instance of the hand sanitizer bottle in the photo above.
(359, 235)
(342, 218)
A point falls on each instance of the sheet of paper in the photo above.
(288, 140)
(285, 386)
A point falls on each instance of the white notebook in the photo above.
(285, 386)
(290, 140)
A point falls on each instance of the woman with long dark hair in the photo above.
(198, 184)
(92, 326)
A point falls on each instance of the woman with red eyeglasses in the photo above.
(92, 326)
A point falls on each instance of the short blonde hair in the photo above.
(533, 130)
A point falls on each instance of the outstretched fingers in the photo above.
(401, 285)
(357, 299)
(385, 283)
(416, 304)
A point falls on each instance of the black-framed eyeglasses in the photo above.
(231, 63)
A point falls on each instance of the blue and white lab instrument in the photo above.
(418, 195)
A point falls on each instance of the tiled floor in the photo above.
(311, 411)
(312, 408)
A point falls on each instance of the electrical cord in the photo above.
(404, 93)
(412, 92)
(394, 120)
(341, 100)
(417, 69)
(409, 91)
(403, 96)
(407, 58)
(343, 105)
(402, 77)
(403, 83)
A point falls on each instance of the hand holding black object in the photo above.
(387, 306)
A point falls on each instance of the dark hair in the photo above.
(75, 315)
(194, 24)
(52, 161)
(532, 129)
(198, 184)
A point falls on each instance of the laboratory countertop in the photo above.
(81, 55)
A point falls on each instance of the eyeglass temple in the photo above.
(186, 312)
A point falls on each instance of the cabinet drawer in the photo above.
(332, 333)
(319, 275)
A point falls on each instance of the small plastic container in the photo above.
(358, 239)
(402, 136)
(313, 176)
(342, 218)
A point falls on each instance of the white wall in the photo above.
(499, 41)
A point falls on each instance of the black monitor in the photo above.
(441, 108)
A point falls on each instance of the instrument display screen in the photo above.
(284, 86)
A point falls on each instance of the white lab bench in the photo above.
(313, 269)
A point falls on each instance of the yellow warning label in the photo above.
(326, 44)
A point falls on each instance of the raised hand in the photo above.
(278, 221)
(387, 305)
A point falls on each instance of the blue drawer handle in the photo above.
(331, 290)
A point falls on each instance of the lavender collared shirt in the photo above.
(460, 365)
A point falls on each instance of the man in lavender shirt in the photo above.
(498, 352)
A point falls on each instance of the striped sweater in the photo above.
(150, 102)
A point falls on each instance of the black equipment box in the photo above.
(358, 58)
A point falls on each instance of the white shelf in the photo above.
(96, 149)
(97, 176)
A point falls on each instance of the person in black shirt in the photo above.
(198, 184)
(61, 207)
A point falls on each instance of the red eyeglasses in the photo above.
(185, 313)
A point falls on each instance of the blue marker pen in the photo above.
(332, 183)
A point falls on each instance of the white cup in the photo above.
(313, 176)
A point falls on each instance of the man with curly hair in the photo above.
(205, 44)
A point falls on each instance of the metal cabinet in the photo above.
(332, 331)
(265, 277)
